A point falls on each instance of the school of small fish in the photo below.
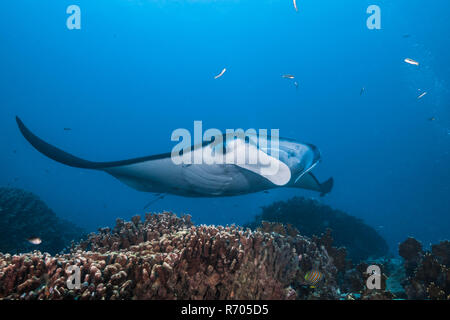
(290, 76)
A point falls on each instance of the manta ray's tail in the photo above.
(54, 153)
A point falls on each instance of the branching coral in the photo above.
(166, 257)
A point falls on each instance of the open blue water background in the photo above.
(137, 70)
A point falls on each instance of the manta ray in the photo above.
(160, 174)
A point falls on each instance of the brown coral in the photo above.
(339, 255)
(428, 273)
(166, 257)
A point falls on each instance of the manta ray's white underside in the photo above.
(211, 177)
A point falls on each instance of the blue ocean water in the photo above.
(139, 69)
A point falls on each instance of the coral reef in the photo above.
(24, 215)
(167, 257)
(428, 272)
(355, 280)
(351, 279)
(312, 218)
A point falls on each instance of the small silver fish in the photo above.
(221, 73)
(34, 240)
(411, 61)
(422, 95)
(288, 76)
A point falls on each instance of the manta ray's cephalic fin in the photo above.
(309, 181)
(326, 186)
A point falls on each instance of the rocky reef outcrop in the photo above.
(312, 218)
(24, 215)
(167, 257)
(428, 272)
